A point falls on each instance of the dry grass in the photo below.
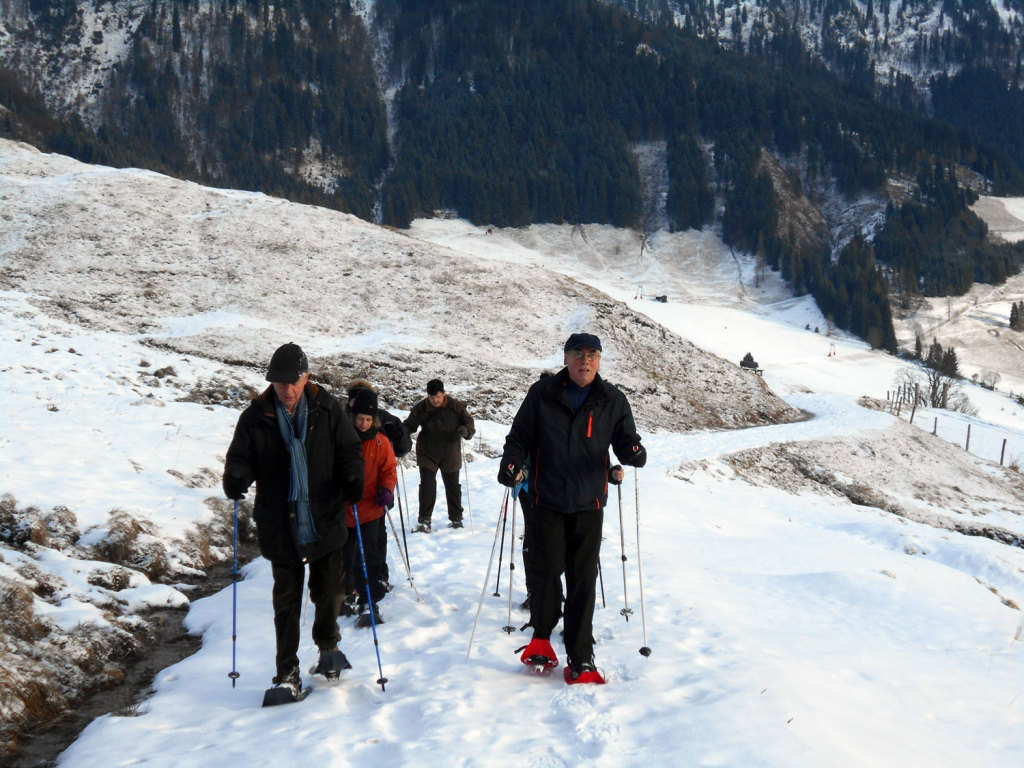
(45, 670)
(134, 543)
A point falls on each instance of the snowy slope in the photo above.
(809, 593)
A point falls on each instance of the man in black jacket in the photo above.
(298, 445)
(443, 422)
(564, 428)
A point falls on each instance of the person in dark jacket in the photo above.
(401, 443)
(564, 428)
(442, 421)
(298, 445)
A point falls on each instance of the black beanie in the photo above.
(287, 364)
(435, 387)
(364, 401)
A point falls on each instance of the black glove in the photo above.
(637, 455)
(234, 484)
(464, 432)
(611, 474)
(509, 473)
(352, 489)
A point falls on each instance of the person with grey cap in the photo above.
(296, 442)
(563, 431)
(443, 421)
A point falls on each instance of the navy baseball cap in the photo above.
(578, 340)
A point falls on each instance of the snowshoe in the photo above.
(455, 524)
(539, 655)
(364, 621)
(287, 689)
(585, 672)
(422, 528)
(331, 664)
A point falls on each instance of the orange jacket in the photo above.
(381, 471)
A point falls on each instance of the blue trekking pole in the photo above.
(369, 598)
(233, 674)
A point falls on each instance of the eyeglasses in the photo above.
(579, 354)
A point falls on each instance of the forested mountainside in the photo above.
(960, 60)
(508, 112)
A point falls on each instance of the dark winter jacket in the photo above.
(568, 452)
(437, 445)
(334, 457)
(395, 431)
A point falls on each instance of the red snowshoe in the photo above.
(539, 655)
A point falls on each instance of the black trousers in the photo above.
(324, 581)
(372, 532)
(428, 493)
(570, 544)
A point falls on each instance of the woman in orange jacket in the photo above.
(381, 477)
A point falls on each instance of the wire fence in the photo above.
(995, 443)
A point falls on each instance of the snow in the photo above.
(789, 625)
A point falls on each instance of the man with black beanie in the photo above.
(300, 448)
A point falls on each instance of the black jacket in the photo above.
(334, 456)
(568, 452)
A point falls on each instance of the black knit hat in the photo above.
(435, 387)
(287, 364)
(364, 401)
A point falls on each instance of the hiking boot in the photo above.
(291, 680)
(583, 672)
(422, 527)
(348, 605)
(455, 523)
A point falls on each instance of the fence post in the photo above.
(967, 447)
(1002, 453)
(935, 426)
(913, 409)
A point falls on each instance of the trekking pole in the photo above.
(233, 674)
(469, 502)
(508, 628)
(626, 611)
(369, 598)
(501, 549)
(401, 519)
(487, 576)
(644, 649)
(600, 578)
(401, 469)
(408, 570)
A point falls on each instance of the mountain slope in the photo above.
(796, 615)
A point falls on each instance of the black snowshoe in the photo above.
(331, 664)
(366, 620)
(287, 689)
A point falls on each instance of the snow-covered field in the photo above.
(810, 591)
